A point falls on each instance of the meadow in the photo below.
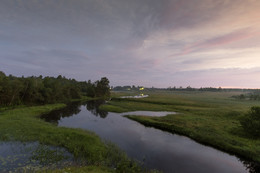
(210, 118)
(91, 153)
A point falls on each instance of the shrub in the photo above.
(251, 122)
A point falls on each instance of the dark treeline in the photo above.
(212, 89)
(253, 92)
(189, 88)
(42, 90)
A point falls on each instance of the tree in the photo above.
(90, 90)
(251, 122)
(2, 74)
(102, 88)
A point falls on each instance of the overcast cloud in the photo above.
(164, 43)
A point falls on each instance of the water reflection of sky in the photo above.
(157, 149)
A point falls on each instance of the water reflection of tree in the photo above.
(93, 107)
(74, 108)
(251, 167)
(56, 115)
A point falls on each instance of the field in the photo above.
(23, 124)
(211, 118)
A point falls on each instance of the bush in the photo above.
(251, 122)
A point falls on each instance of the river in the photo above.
(156, 149)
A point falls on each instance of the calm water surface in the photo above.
(155, 148)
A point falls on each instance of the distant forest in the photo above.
(43, 90)
(248, 94)
(189, 88)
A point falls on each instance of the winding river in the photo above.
(156, 149)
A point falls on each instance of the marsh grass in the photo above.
(211, 118)
(23, 124)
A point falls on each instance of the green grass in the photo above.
(81, 169)
(113, 108)
(211, 118)
(91, 169)
(24, 124)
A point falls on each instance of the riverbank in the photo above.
(23, 124)
(211, 118)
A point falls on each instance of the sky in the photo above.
(159, 43)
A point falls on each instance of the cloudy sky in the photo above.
(160, 43)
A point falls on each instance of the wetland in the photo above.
(152, 148)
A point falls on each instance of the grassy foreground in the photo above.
(24, 124)
(211, 118)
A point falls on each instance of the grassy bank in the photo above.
(88, 169)
(24, 124)
(211, 118)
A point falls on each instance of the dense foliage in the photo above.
(251, 122)
(39, 90)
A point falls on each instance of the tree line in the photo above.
(253, 95)
(43, 90)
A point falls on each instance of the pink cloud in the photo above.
(226, 39)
